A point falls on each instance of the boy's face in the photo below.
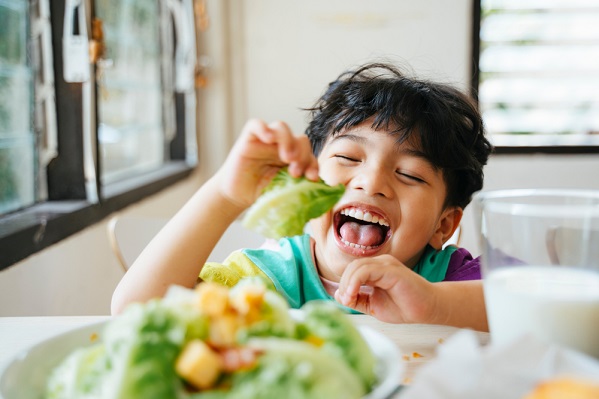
(393, 203)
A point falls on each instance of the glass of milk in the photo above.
(540, 265)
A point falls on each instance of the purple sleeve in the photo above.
(462, 266)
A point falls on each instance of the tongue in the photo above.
(363, 234)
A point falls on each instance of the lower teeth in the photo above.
(351, 244)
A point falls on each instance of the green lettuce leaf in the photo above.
(292, 369)
(143, 345)
(137, 356)
(341, 338)
(288, 203)
(80, 375)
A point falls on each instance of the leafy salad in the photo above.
(215, 342)
(288, 203)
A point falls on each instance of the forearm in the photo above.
(178, 252)
(460, 304)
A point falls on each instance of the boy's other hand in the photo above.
(258, 154)
(396, 294)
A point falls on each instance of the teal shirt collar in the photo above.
(433, 264)
(292, 270)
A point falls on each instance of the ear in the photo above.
(448, 223)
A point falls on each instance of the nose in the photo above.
(373, 180)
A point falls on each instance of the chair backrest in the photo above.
(129, 235)
(563, 246)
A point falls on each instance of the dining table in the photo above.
(416, 343)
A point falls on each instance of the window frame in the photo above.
(515, 149)
(67, 209)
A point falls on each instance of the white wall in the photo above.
(269, 59)
(293, 49)
(533, 171)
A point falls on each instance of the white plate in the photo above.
(25, 376)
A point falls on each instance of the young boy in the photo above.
(410, 154)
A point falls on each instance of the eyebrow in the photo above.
(413, 152)
(407, 149)
(420, 155)
(349, 136)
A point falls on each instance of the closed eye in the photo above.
(411, 177)
(346, 158)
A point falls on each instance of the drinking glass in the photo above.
(540, 265)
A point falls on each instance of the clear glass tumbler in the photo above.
(540, 265)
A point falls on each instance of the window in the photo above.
(130, 115)
(538, 74)
(97, 104)
(17, 139)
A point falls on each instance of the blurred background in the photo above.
(126, 106)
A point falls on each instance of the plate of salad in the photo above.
(211, 342)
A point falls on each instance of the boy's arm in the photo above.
(399, 295)
(462, 304)
(174, 256)
(178, 252)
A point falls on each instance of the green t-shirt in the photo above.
(291, 269)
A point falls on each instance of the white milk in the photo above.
(557, 304)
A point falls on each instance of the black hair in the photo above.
(441, 121)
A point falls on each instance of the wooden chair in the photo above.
(129, 235)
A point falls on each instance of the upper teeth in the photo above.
(365, 216)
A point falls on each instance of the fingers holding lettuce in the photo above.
(259, 153)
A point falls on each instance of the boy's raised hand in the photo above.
(177, 254)
(258, 154)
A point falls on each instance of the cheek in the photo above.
(330, 173)
(320, 225)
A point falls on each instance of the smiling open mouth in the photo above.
(361, 229)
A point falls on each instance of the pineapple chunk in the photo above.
(223, 329)
(213, 298)
(247, 299)
(199, 365)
